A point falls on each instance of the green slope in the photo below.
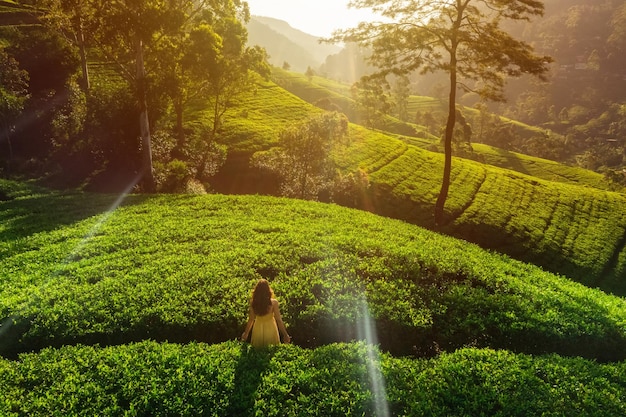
(318, 88)
(83, 269)
(577, 231)
(15, 14)
(533, 211)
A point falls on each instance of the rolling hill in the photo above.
(556, 219)
(96, 287)
(122, 294)
(130, 304)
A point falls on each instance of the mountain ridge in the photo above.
(286, 44)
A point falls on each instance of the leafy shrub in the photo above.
(180, 268)
(174, 176)
(350, 190)
(231, 378)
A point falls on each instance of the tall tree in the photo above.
(181, 58)
(371, 101)
(302, 159)
(126, 28)
(462, 38)
(401, 93)
(224, 68)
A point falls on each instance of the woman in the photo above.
(264, 318)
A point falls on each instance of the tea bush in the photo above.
(181, 268)
(231, 378)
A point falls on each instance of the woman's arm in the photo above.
(251, 318)
(279, 322)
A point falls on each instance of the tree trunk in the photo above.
(7, 135)
(447, 168)
(83, 58)
(181, 142)
(147, 176)
(207, 151)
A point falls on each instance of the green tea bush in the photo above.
(232, 378)
(181, 268)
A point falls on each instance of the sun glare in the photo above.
(8, 322)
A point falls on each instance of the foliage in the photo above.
(13, 94)
(350, 190)
(50, 64)
(93, 269)
(166, 52)
(109, 150)
(173, 177)
(587, 42)
(371, 101)
(221, 70)
(303, 158)
(75, 21)
(148, 378)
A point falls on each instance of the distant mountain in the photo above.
(287, 44)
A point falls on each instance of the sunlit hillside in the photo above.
(531, 209)
(317, 88)
(127, 290)
(154, 168)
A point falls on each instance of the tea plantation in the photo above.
(558, 217)
(107, 305)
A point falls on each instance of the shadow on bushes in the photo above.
(394, 338)
(249, 371)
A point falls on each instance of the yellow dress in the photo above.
(265, 331)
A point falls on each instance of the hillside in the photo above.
(582, 103)
(84, 268)
(575, 230)
(132, 304)
(319, 90)
(90, 277)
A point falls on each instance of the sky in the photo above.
(315, 17)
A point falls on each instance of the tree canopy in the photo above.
(155, 56)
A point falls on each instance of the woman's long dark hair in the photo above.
(261, 297)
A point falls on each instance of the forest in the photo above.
(74, 71)
(97, 92)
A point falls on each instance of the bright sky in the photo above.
(315, 17)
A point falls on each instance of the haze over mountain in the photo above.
(287, 44)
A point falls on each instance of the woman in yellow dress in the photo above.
(264, 318)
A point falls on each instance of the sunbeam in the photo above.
(8, 322)
(366, 331)
(104, 217)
